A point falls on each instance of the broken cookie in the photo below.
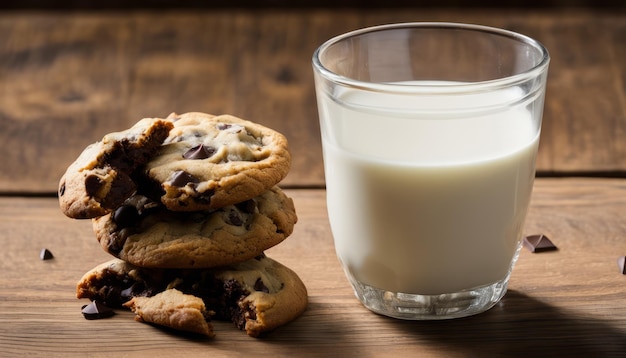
(257, 295)
(100, 178)
(174, 309)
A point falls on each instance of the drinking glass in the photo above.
(429, 134)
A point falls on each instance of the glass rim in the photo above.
(434, 88)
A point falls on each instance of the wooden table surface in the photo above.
(67, 78)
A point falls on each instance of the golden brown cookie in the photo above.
(174, 309)
(100, 178)
(146, 234)
(209, 162)
(257, 295)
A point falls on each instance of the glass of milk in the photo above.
(429, 134)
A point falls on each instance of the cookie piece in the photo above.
(257, 295)
(174, 309)
(209, 162)
(146, 234)
(100, 178)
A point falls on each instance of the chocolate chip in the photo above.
(126, 216)
(199, 152)
(96, 310)
(539, 243)
(182, 178)
(260, 286)
(231, 128)
(117, 241)
(205, 198)
(45, 254)
(234, 218)
(147, 187)
(134, 290)
(120, 189)
(621, 263)
(62, 189)
(93, 183)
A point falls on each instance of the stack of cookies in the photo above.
(187, 205)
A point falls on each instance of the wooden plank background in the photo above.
(67, 78)
(301, 4)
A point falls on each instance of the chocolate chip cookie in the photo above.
(174, 309)
(146, 234)
(209, 162)
(100, 178)
(257, 295)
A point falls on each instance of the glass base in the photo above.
(430, 307)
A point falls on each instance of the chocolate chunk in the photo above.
(233, 291)
(93, 184)
(96, 310)
(234, 218)
(142, 203)
(199, 152)
(621, 263)
(126, 155)
(205, 198)
(136, 289)
(230, 128)
(182, 178)
(126, 216)
(147, 187)
(117, 241)
(45, 254)
(539, 243)
(121, 188)
(62, 189)
(260, 286)
(236, 129)
(127, 293)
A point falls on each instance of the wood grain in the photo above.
(68, 78)
(570, 302)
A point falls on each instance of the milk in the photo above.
(430, 202)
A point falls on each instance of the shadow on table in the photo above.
(518, 326)
(521, 326)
